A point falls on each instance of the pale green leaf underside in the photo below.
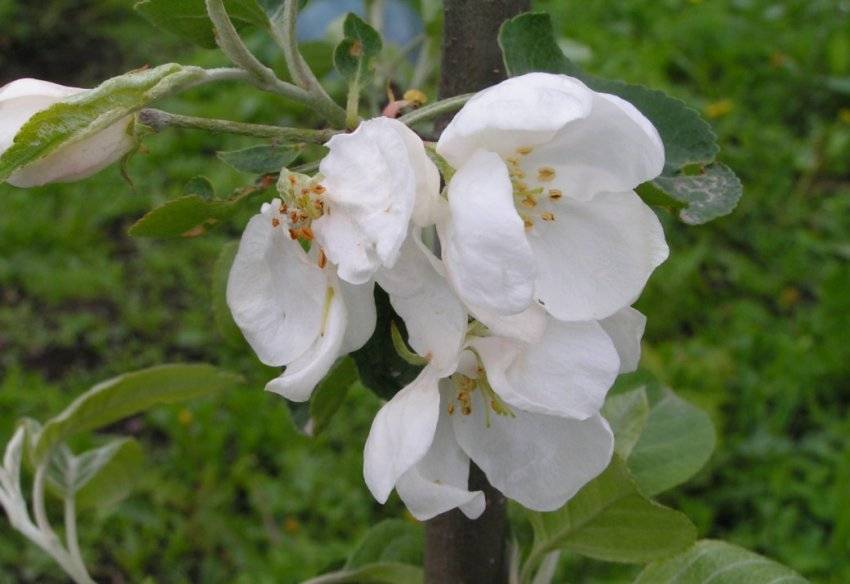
(188, 18)
(627, 414)
(716, 562)
(261, 159)
(83, 114)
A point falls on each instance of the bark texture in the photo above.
(457, 550)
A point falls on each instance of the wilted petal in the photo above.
(370, 179)
(625, 328)
(487, 256)
(434, 317)
(520, 112)
(614, 149)
(401, 434)
(439, 482)
(596, 256)
(302, 375)
(275, 292)
(566, 373)
(539, 461)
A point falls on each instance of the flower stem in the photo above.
(283, 30)
(159, 120)
(435, 110)
(234, 48)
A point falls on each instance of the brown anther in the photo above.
(512, 161)
(293, 216)
(275, 222)
(548, 216)
(545, 173)
(466, 410)
(529, 202)
(283, 209)
(528, 223)
(524, 150)
(555, 194)
(323, 259)
(293, 234)
(520, 186)
(292, 179)
(307, 233)
(319, 189)
(305, 191)
(451, 409)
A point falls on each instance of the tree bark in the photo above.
(458, 550)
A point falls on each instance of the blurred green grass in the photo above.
(750, 317)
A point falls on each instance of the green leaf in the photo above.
(192, 215)
(354, 54)
(130, 394)
(391, 540)
(86, 113)
(709, 195)
(330, 393)
(717, 562)
(677, 441)
(199, 185)
(188, 18)
(224, 322)
(627, 414)
(528, 44)
(98, 478)
(610, 520)
(262, 159)
(382, 573)
(381, 369)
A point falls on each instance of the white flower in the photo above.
(290, 305)
(541, 206)
(22, 98)
(377, 179)
(526, 413)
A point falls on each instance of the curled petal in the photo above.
(275, 292)
(487, 256)
(523, 111)
(360, 309)
(539, 461)
(401, 434)
(566, 373)
(625, 328)
(596, 256)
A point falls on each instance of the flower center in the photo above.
(303, 202)
(533, 196)
(465, 386)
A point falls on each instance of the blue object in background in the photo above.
(401, 23)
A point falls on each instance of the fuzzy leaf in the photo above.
(188, 18)
(354, 54)
(709, 195)
(330, 394)
(627, 414)
(261, 159)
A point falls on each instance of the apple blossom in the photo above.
(541, 206)
(20, 100)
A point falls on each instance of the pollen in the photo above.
(555, 194)
(548, 216)
(319, 189)
(275, 222)
(524, 150)
(529, 202)
(545, 174)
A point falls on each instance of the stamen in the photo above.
(528, 223)
(545, 174)
(275, 222)
(555, 194)
(548, 216)
(529, 202)
(323, 259)
(524, 150)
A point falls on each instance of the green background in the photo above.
(750, 317)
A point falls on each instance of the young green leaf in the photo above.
(379, 573)
(261, 159)
(717, 562)
(610, 520)
(528, 44)
(627, 414)
(86, 113)
(391, 540)
(330, 394)
(709, 195)
(354, 54)
(199, 185)
(188, 18)
(98, 478)
(130, 394)
(676, 442)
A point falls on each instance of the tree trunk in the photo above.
(457, 550)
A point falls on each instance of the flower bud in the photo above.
(20, 100)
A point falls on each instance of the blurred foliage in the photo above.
(749, 318)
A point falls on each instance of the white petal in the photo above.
(401, 434)
(370, 179)
(347, 247)
(302, 375)
(596, 256)
(439, 482)
(625, 328)
(360, 308)
(487, 255)
(434, 317)
(276, 294)
(614, 149)
(527, 326)
(567, 373)
(427, 202)
(520, 112)
(539, 461)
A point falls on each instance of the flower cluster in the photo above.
(524, 313)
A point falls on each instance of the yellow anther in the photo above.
(415, 96)
(529, 202)
(528, 223)
(524, 150)
(555, 194)
(451, 408)
(512, 161)
(545, 173)
(548, 216)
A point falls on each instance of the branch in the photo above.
(158, 120)
(435, 110)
